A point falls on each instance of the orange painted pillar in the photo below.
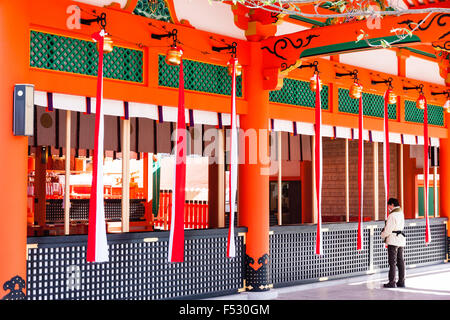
(444, 178)
(14, 62)
(254, 177)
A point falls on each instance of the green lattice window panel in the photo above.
(298, 93)
(414, 114)
(198, 76)
(373, 105)
(58, 53)
(158, 11)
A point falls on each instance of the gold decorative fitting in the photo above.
(245, 287)
(392, 97)
(313, 83)
(238, 69)
(265, 287)
(173, 56)
(30, 246)
(420, 103)
(107, 45)
(447, 106)
(355, 91)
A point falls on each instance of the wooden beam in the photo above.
(341, 39)
(216, 184)
(40, 186)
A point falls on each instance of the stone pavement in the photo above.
(422, 283)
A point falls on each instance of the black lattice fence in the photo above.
(56, 266)
(79, 210)
(293, 259)
(416, 252)
(293, 255)
(138, 267)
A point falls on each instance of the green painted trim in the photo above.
(351, 46)
(423, 53)
(66, 54)
(297, 93)
(421, 198)
(198, 76)
(307, 20)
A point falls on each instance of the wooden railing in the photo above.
(195, 213)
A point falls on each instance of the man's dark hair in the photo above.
(394, 202)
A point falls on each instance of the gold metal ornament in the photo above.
(355, 91)
(313, 83)
(392, 97)
(447, 106)
(420, 103)
(238, 69)
(107, 45)
(173, 56)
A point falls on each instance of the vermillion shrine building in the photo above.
(163, 149)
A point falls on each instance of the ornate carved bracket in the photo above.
(257, 274)
(15, 286)
(284, 52)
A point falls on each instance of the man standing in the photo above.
(395, 239)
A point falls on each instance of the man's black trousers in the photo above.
(395, 258)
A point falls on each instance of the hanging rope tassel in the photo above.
(97, 247)
(231, 248)
(386, 160)
(318, 165)
(176, 240)
(425, 169)
(360, 175)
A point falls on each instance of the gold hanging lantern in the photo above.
(238, 69)
(447, 106)
(173, 56)
(355, 90)
(313, 83)
(420, 103)
(107, 45)
(392, 97)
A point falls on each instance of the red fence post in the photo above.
(169, 215)
(186, 214)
